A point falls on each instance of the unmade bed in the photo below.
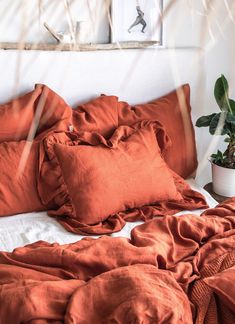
(99, 225)
(23, 229)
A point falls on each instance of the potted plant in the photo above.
(222, 123)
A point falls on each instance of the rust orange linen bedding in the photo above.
(122, 173)
(105, 113)
(136, 184)
(173, 111)
(18, 189)
(161, 275)
(34, 114)
(40, 113)
(99, 115)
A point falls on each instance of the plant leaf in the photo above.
(218, 125)
(204, 121)
(221, 93)
(232, 106)
(230, 118)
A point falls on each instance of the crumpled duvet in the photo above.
(160, 275)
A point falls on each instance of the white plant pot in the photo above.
(223, 180)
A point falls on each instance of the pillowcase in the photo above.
(122, 173)
(18, 189)
(223, 284)
(173, 111)
(35, 112)
(99, 115)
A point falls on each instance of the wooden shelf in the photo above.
(77, 47)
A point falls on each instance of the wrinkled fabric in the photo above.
(33, 117)
(157, 276)
(222, 285)
(119, 174)
(173, 111)
(105, 113)
(58, 179)
(41, 113)
(98, 115)
(34, 114)
(18, 174)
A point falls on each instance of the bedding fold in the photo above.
(172, 110)
(24, 122)
(67, 157)
(34, 115)
(29, 121)
(158, 275)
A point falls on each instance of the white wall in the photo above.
(22, 20)
(139, 75)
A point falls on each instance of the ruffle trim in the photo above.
(60, 201)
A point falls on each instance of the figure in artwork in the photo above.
(139, 20)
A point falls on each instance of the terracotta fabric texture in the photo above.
(223, 286)
(173, 111)
(99, 115)
(120, 174)
(18, 174)
(154, 277)
(33, 114)
(58, 181)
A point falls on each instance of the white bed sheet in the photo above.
(19, 230)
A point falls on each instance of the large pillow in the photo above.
(99, 115)
(173, 112)
(18, 169)
(110, 176)
(34, 114)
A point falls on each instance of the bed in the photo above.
(92, 232)
(19, 230)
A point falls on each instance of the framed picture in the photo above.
(136, 20)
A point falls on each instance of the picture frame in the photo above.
(136, 21)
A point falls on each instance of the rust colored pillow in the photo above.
(122, 173)
(99, 115)
(34, 113)
(18, 168)
(173, 111)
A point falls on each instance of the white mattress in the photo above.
(19, 230)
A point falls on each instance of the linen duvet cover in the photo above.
(172, 269)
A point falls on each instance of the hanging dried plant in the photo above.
(39, 10)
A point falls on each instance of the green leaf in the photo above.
(204, 121)
(221, 93)
(220, 154)
(218, 158)
(230, 118)
(232, 106)
(217, 125)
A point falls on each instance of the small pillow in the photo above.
(18, 168)
(34, 113)
(115, 175)
(173, 111)
(98, 115)
(223, 284)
